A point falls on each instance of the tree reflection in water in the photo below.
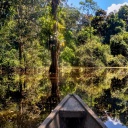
(26, 99)
(114, 102)
(53, 99)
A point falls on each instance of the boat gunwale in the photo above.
(51, 116)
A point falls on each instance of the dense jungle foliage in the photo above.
(87, 36)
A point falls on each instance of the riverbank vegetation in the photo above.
(87, 36)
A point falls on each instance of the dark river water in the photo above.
(27, 99)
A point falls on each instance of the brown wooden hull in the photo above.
(72, 112)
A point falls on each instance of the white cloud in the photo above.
(115, 7)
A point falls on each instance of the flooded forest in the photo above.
(49, 49)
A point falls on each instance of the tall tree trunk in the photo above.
(54, 46)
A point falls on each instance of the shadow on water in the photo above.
(27, 99)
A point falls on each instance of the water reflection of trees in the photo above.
(87, 83)
(48, 103)
(26, 100)
(18, 100)
(114, 100)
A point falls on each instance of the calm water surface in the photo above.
(27, 99)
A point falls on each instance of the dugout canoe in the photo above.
(72, 112)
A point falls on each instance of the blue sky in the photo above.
(108, 5)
